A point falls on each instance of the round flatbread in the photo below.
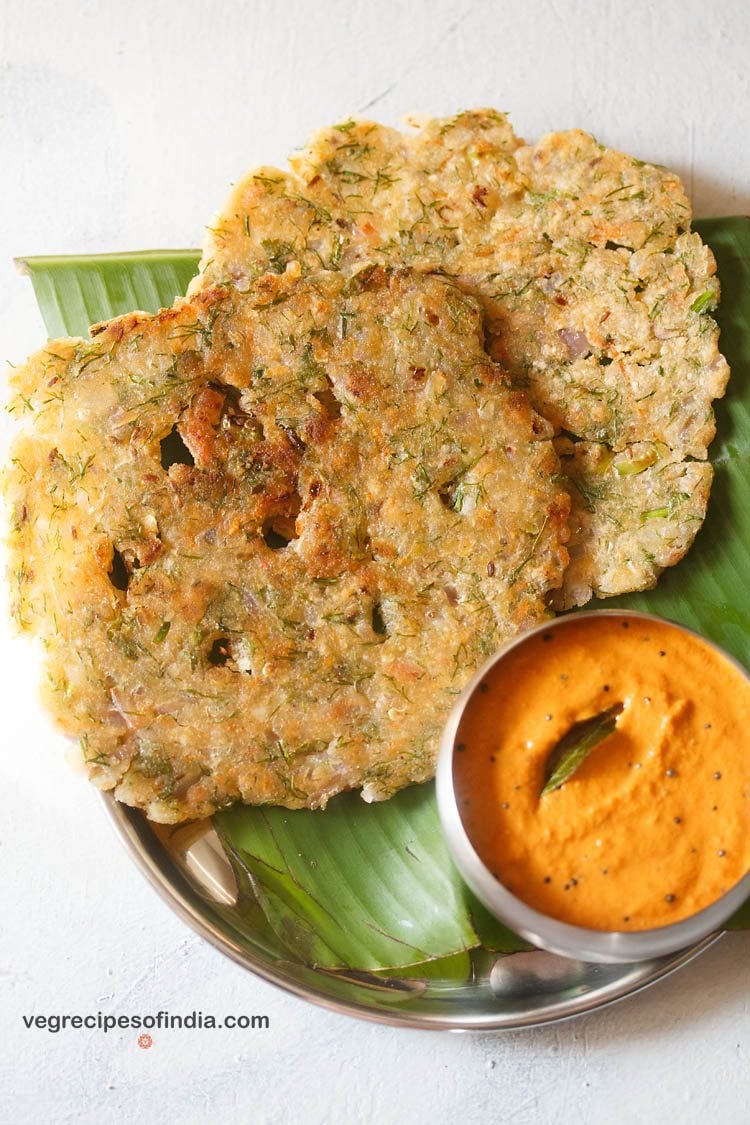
(267, 536)
(596, 297)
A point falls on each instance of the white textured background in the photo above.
(121, 126)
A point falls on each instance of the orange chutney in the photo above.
(654, 825)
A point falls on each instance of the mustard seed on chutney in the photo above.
(653, 824)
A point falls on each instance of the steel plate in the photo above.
(188, 868)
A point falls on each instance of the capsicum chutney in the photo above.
(654, 824)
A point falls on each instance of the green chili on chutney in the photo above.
(652, 820)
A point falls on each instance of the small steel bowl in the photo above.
(604, 946)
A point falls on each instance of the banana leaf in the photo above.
(372, 887)
(358, 886)
(75, 291)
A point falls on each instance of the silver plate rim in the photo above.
(175, 890)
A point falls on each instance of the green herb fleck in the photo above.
(161, 633)
(700, 304)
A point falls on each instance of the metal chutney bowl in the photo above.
(589, 945)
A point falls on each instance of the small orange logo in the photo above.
(145, 1041)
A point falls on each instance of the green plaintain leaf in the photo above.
(370, 887)
(574, 747)
(456, 968)
(340, 886)
(741, 920)
(74, 291)
(493, 934)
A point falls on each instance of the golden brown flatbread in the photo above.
(267, 536)
(595, 292)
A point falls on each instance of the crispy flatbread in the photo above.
(596, 297)
(267, 536)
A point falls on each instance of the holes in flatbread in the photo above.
(329, 402)
(233, 413)
(279, 532)
(275, 540)
(219, 652)
(378, 621)
(174, 451)
(118, 573)
(455, 493)
(231, 653)
(291, 434)
(462, 495)
(448, 495)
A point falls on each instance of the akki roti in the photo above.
(596, 296)
(267, 535)
(427, 388)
